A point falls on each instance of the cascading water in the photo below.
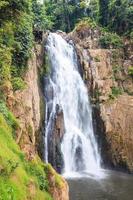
(68, 91)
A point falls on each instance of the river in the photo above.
(113, 185)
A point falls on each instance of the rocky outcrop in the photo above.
(58, 187)
(105, 72)
(26, 106)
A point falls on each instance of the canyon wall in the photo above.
(105, 72)
(28, 107)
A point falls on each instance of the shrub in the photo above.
(58, 181)
(5, 63)
(18, 84)
(24, 41)
(51, 172)
(41, 20)
(110, 40)
(85, 22)
(115, 92)
(11, 166)
(131, 35)
(130, 71)
(36, 171)
(9, 117)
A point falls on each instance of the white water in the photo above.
(79, 147)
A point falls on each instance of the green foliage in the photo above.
(10, 119)
(85, 23)
(58, 181)
(24, 41)
(38, 172)
(18, 84)
(110, 40)
(16, 37)
(116, 68)
(51, 172)
(10, 168)
(8, 190)
(17, 21)
(65, 14)
(117, 15)
(103, 12)
(116, 91)
(93, 10)
(120, 16)
(17, 174)
(130, 71)
(7, 34)
(131, 35)
(5, 64)
(41, 21)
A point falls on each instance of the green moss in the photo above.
(9, 190)
(18, 84)
(38, 172)
(130, 71)
(58, 181)
(16, 173)
(51, 172)
(9, 117)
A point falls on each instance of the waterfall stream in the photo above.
(66, 89)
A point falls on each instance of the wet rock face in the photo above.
(105, 72)
(55, 156)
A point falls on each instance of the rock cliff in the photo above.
(28, 107)
(105, 72)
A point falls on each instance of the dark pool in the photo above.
(111, 186)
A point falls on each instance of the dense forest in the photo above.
(19, 20)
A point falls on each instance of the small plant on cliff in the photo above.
(85, 23)
(116, 68)
(18, 84)
(10, 167)
(97, 59)
(38, 172)
(10, 118)
(116, 91)
(110, 40)
(130, 71)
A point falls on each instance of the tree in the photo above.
(120, 16)
(41, 21)
(103, 12)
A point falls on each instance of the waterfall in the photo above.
(66, 89)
